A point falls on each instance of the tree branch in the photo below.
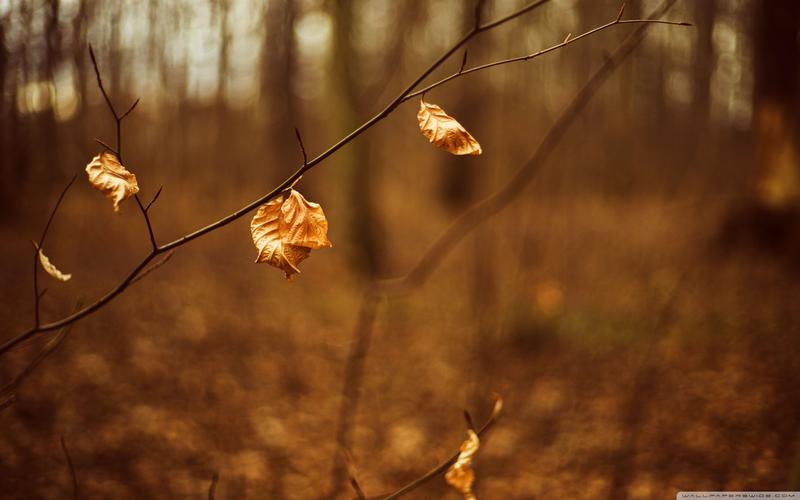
(567, 41)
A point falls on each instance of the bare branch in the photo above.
(621, 11)
(567, 41)
(71, 469)
(100, 84)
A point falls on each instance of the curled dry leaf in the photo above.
(108, 175)
(444, 131)
(49, 268)
(286, 229)
(460, 475)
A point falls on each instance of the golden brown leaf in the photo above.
(444, 131)
(460, 475)
(286, 229)
(51, 269)
(111, 178)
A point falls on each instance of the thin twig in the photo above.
(36, 295)
(463, 63)
(107, 146)
(212, 488)
(302, 148)
(100, 84)
(146, 216)
(155, 197)
(129, 109)
(567, 41)
(71, 469)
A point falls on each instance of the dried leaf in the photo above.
(286, 229)
(50, 268)
(460, 475)
(444, 131)
(109, 176)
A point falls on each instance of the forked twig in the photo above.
(118, 151)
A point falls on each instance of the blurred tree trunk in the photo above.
(114, 54)
(80, 53)
(777, 101)
(5, 188)
(278, 67)
(354, 158)
(47, 119)
(704, 60)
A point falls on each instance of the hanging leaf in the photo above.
(286, 229)
(460, 475)
(49, 268)
(444, 131)
(111, 178)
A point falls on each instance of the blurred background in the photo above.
(636, 307)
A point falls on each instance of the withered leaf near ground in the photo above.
(49, 268)
(286, 229)
(460, 475)
(443, 131)
(111, 178)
